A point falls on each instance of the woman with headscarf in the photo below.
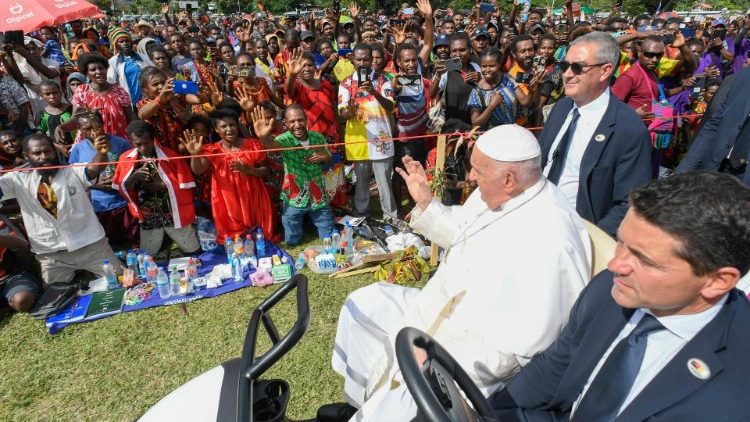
(143, 46)
(74, 80)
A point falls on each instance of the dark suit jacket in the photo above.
(553, 380)
(610, 168)
(721, 131)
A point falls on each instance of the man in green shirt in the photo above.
(303, 191)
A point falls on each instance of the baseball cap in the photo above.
(306, 34)
(536, 27)
(442, 39)
(480, 32)
(718, 22)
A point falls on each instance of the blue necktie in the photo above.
(558, 157)
(612, 384)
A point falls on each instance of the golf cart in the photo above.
(233, 391)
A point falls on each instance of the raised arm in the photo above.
(194, 146)
(263, 128)
(425, 8)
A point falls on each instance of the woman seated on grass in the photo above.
(239, 198)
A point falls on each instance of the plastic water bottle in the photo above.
(174, 281)
(131, 261)
(336, 241)
(162, 284)
(237, 268)
(299, 264)
(229, 246)
(260, 244)
(349, 238)
(249, 247)
(141, 257)
(109, 275)
(152, 270)
(327, 245)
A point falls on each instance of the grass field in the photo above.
(116, 368)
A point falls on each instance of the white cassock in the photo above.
(500, 296)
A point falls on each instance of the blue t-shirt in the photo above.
(84, 152)
(132, 71)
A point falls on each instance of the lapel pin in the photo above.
(599, 138)
(698, 368)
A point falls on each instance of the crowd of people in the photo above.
(117, 133)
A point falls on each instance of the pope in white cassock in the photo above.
(516, 257)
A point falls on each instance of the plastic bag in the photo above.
(206, 234)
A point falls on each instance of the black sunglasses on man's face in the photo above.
(577, 68)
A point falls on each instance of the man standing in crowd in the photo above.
(57, 213)
(639, 85)
(125, 66)
(366, 102)
(493, 304)
(662, 333)
(594, 147)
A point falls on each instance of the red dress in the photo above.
(239, 201)
(110, 104)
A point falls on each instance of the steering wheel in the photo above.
(435, 386)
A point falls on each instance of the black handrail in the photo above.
(252, 367)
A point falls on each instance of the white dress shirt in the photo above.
(661, 346)
(591, 115)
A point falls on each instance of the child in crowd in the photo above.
(55, 113)
(52, 48)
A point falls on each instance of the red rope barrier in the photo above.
(267, 150)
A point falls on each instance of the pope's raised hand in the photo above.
(416, 181)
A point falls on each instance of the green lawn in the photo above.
(116, 368)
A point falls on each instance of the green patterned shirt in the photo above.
(303, 182)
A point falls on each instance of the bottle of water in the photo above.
(109, 275)
(249, 247)
(229, 246)
(327, 245)
(174, 281)
(336, 241)
(152, 270)
(131, 261)
(299, 264)
(239, 248)
(349, 238)
(162, 284)
(260, 244)
(141, 257)
(237, 268)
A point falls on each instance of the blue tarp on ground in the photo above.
(75, 313)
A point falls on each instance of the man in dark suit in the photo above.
(664, 333)
(723, 144)
(595, 148)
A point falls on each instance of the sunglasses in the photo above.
(575, 67)
(648, 55)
